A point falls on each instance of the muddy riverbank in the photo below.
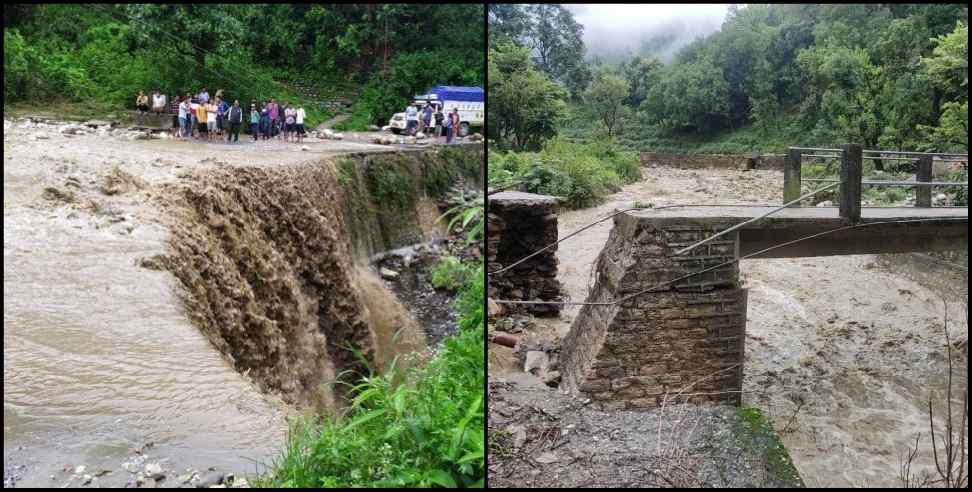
(100, 355)
(840, 351)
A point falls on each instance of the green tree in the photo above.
(641, 73)
(553, 36)
(689, 96)
(605, 98)
(508, 23)
(525, 107)
(948, 66)
(201, 29)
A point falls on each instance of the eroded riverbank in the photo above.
(100, 357)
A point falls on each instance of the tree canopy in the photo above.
(380, 54)
(891, 76)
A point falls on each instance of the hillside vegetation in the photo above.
(93, 58)
(887, 76)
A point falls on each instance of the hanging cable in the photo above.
(730, 262)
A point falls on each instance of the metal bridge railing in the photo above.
(851, 157)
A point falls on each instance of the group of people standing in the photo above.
(204, 118)
(208, 118)
(432, 121)
(274, 120)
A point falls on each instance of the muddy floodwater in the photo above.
(100, 361)
(841, 352)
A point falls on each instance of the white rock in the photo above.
(78, 470)
(420, 135)
(304, 148)
(940, 197)
(536, 362)
(338, 136)
(386, 128)
(826, 203)
(388, 274)
(328, 133)
(410, 140)
(547, 458)
(153, 469)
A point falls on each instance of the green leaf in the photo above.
(442, 478)
(365, 418)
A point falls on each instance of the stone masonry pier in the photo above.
(519, 224)
(688, 337)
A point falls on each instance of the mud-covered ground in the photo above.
(841, 352)
(104, 375)
(539, 437)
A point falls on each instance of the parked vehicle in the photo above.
(470, 101)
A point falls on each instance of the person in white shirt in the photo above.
(158, 102)
(411, 119)
(183, 114)
(211, 110)
(300, 123)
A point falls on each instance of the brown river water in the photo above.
(99, 358)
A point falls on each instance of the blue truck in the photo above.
(470, 101)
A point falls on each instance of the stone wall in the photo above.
(519, 224)
(685, 337)
(699, 161)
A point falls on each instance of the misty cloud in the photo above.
(616, 32)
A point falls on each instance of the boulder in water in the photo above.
(388, 274)
(73, 130)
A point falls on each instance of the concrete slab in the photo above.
(941, 229)
(524, 198)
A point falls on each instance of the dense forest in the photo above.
(98, 56)
(889, 76)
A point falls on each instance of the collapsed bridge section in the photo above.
(654, 328)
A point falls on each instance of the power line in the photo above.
(754, 219)
(730, 262)
(592, 224)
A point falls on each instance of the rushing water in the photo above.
(97, 355)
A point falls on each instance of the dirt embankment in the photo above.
(266, 258)
(268, 275)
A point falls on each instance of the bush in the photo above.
(450, 273)
(581, 173)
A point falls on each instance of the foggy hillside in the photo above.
(613, 33)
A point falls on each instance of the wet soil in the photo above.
(840, 352)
